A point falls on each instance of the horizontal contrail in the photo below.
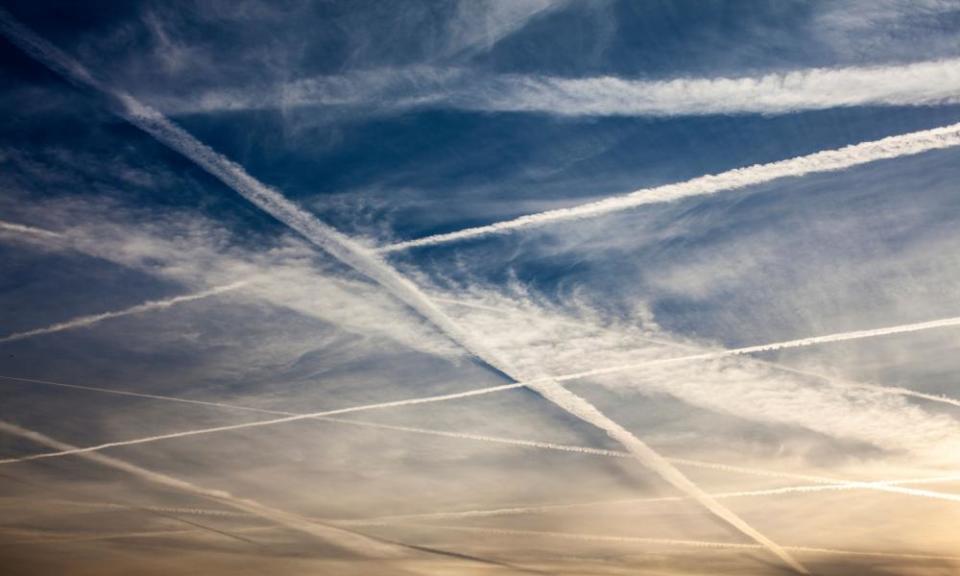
(84, 321)
(918, 84)
(736, 179)
(362, 260)
(928, 83)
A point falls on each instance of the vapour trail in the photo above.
(675, 542)
(337, 536)
(892, 390)
(74, 450)
(776, 346)
(547, 508)
(825, 161)
(30, 230)
(705, 544)
(921, 83)
(84, 321)
(362, 260)
(162, 510)
(884, 486)
(929, 83)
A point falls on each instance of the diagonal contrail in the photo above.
(775, 346)
(368, 546)
(29, 230)
(825, 161)
(76, 450)
(337, 536)
(84, 321)
(364, 261)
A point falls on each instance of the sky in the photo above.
(480, 287)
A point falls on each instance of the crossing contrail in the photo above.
(368, 546)
(362, 260)
(340, 537)
(75, 450)
(891, 390)
(84, 321)
(825, 161)
(821, 482)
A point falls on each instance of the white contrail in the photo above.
(30, 230)
(923, 83)
(337, 536)
(74, 450)
(84, 321)
(360, 259)
(929, 83)
(775, 346)
(819, 162)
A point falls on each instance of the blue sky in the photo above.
(202, 216)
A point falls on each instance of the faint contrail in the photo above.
(536, 509)
(84, 321)
(819, 162)
(360, 259)
(676, 542)
(337, 536)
